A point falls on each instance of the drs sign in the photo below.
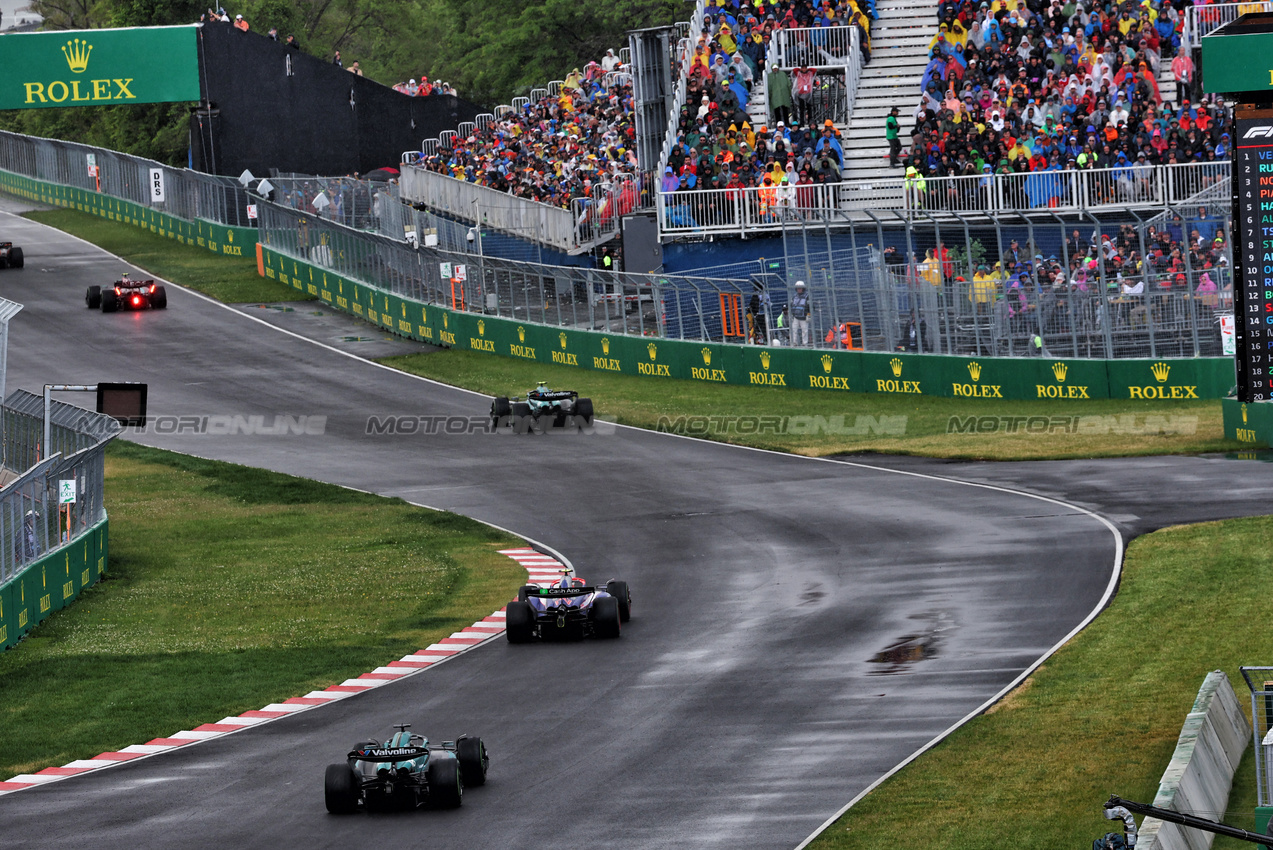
(156, 185)
(44, 70)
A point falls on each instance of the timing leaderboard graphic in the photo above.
(1253, 205)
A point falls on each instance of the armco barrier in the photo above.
(794, 368)
(51, 583)
(217, 238)
(1200, 774)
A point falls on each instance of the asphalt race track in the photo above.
(742, 706)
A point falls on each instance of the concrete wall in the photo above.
(1200, 774)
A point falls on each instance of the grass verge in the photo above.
(230, 588)
(1101, 716)
(232, 280)
(1110, 429)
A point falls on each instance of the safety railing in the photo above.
(552, 226)
(818, 47)
(1202, 19)
(32, 522)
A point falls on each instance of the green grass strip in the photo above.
(1100, 717)
(232, 280)
(230, 588)
(633, 400)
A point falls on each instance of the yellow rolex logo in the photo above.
(896, 365)
(424, 315)
(764, 359)
(77, 53)
(229, 237)
(445, 321)
(404, 309)
(1059, 369)
(652, 348)
(1244, 414)
(707, 356)
(826, 363)
(481, 327)
(974, 370)
(605, 346)
(562, 337)
(521, 334)
(1161, 371)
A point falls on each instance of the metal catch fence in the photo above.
(32, 522)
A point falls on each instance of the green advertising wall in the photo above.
(1248, 423)
(795, 368)
(217, 238)
(46, 70)
(51, 583)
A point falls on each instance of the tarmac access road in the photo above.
(799, 626)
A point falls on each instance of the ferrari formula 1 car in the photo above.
(10, 257)
(405, 772)
(568, 609)
(542, 410)
(127, 294)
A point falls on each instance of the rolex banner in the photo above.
(98, 67)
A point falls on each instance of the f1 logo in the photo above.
(1258, 133)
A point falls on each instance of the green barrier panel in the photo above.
(1248, 423)
(1168, 379)
(904, 374)
(51, 583)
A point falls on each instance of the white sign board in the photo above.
(156, 185)
(92, 164)
(1227, 345)
(66, 491)
(461, 273)
(251, 211)
(446, 270)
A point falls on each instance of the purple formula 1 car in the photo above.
(568, 609)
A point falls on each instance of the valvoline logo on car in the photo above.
(390, 752)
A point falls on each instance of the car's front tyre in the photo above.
(93, 298)
(474, 761)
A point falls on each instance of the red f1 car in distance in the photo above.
(10, 257)
(127, 294)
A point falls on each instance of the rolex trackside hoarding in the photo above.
(43, 70)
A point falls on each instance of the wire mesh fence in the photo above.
(32, 520)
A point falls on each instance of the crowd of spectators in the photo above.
(1024, 86)
(557, 148)
(1125, 272)
(716, 146)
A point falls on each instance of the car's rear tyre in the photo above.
(522, 420)
(15, 258)
(519, 622)
(159, 298)
(110, 301)
(526, 591)
(474, 761)
(619, 590)
(605, 617)
(501, 411)
(93, 298)
(340, 789)
(583, 412)
(446, 787)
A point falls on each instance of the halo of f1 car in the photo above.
(405, 772)
(10, 257)
(568, 609)
(127, 294)
(542, 410)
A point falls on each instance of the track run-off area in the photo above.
(800, 627)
